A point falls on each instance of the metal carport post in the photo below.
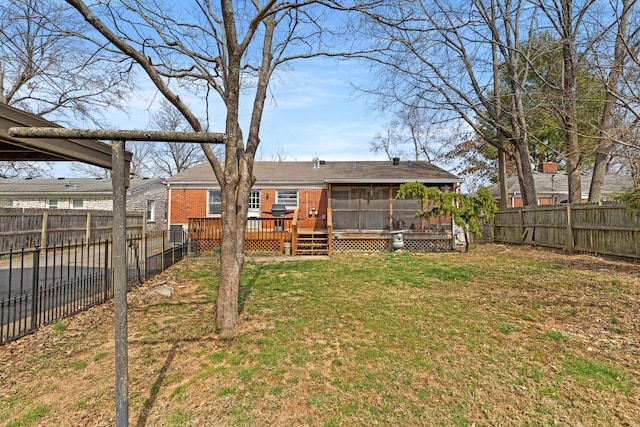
(120, 181)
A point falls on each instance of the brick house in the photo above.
(347, 201)
(552, 186)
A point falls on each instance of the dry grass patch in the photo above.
(500, 336)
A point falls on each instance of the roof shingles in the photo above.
(307, 173)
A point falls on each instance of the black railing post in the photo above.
(173, 250)
(106, 270)
(146, 257)
(35, 288)
(162, 257)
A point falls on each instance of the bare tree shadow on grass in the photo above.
(155, 388)
(245, 290)
(150, 402)
(246, 287)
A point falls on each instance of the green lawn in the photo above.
(499, 336)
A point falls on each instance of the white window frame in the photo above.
(53, 205)
(287, 201)
(255, 204)
(73, 204)
(210, 194)
(151, 210)
(254, 199)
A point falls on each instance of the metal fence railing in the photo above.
(38, 286)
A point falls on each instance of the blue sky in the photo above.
(312, 111)
(316, 112)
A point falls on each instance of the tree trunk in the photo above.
(570, 119)
(238, 179)
(519, 140)
(231, 260)
(466, 239)
(571, 137)
(502, 178)
(573, 165)
(605, 140)
(500, 139)
(233, 223)
(599, 171)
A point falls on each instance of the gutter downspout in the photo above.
(169, 209)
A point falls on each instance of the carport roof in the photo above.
(93, 152)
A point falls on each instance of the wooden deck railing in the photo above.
(330, 230)
(262, 234)
(294, 232)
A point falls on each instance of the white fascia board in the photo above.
(390, 181)
(52, 195)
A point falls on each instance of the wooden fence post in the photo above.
(88, 228)
(521, 223)
(569, 236)
(43, 236)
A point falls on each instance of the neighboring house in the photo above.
(354, 199)
(143, 195)
(552, 186)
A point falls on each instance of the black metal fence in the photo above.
(38, 286)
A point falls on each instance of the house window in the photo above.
(52, 203)
(6, 203)
(77, 203)
(254, 204)
(287, 198)
(254, 199)
(214, 204)
(151, 210)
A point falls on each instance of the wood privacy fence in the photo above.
(30, 228)
(608, 229)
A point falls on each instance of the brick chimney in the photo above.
(548, 167)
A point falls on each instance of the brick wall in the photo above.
(187, 204)
(316, 201)
(191, 203)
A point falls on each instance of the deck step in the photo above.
(315, 243)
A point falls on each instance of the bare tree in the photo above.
(567, 18)
(280, 155)
(230, 49)
(49, 68)
(441, 55)
(171, 158)
(142, 158)
(413, 135)
(23, 169)
(608, 130)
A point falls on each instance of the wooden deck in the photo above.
(282, 235)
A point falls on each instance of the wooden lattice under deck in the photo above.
(443, 245)
(204, 245)
(360, 245)
(380, 242)
(250, 245)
